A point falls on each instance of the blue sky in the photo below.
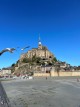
(57, 22)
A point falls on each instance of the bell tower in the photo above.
(39, 43)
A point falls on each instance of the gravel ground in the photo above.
(39, 92)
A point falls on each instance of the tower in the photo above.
(39, 44)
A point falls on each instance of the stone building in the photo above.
(41, 52)
(5, 72)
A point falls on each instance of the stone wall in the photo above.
(41, 74)
(66, 73)
(55, 74)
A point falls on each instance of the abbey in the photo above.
(41, 52)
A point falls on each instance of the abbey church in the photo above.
(41, 52)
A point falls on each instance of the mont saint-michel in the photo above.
(41, 62)
(35, 59)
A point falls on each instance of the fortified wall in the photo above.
(54, 73)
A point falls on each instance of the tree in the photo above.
(54, 60)
(34, 58)
(13, 65)
(38, 59)
(17, 61)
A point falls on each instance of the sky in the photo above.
(56, 21)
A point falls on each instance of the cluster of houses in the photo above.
(5, 72)
(59, 66)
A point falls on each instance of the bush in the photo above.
(36, 59)
(26, 60)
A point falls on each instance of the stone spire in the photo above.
(39, 43)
